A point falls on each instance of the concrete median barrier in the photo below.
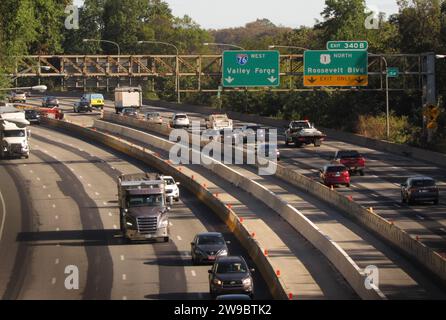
(384, 146)
(409, 246)
(265, 264)
(333, 252)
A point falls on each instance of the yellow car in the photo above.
(94, 100)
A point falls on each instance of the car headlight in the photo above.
(130, 224)
(164, 223)
(223, 252)
(217, 282)
(247, 282)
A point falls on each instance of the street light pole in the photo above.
(177, 65)
(222, 45)
(387, 97)
(273, 46)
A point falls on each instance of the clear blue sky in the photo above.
(234, 13)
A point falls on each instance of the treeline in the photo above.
(37, 27)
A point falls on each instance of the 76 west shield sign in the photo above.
(251, 69)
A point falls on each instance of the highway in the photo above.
(61, 210)
(378, 189)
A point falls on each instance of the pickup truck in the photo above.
(302, 132)
(352, 159)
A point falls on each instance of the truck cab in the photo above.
(14, 134)
(143, 207)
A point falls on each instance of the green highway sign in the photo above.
(251, 69)
(347, 45)
(335, 68)
(393, 72)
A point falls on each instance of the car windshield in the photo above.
(169, 182)
(153, 115)
(300, 124)
(31, 112)
(255, 128)
(231, 267)
(14, 133)
(153, 200)
(181, 116)
(336, 169)
(210, 239)
(97, 96)
(129, 110)
(423, 183)
(349, 154)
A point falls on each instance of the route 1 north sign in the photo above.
(251, 69)
(335, 68)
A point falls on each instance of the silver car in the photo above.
(206, 247)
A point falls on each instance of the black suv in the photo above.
(230, 275)
(418, 189)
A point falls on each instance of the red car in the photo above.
(352, 159)
(335, 174)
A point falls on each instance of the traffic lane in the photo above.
(186, 231)
(399, 279)
(43, 278)
(15, 214)
(131, 278)
(318, 278)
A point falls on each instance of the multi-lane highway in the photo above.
(59, 209)
(378, 189)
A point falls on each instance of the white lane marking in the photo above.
(124, 298)
(97, 193)
(25, 165)
(30, 171)
(57, 261)
(49, 196)
(170, 224)
(80, 177)
(105, 203)
(38, 179)
(89, 185)
(124, 277)
(110, 214)
(179, 238)
(57, 229)
(44, 186)
(72, 169)
(115, 226)
(122, 257)
(56, 217)
(420, 217)
(194, 274)
(54, 206)
(53, 281)
(4, 215)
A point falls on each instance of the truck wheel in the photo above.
(166, 239)
(298, 144)
(287, 143)
(361, 172)
(317, 142)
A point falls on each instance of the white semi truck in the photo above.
(143, 207)
(128, 97)
(14, 134)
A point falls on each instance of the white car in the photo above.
(180, 120)
(18, 96)
(171, 187)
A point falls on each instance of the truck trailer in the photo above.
(127, 97)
